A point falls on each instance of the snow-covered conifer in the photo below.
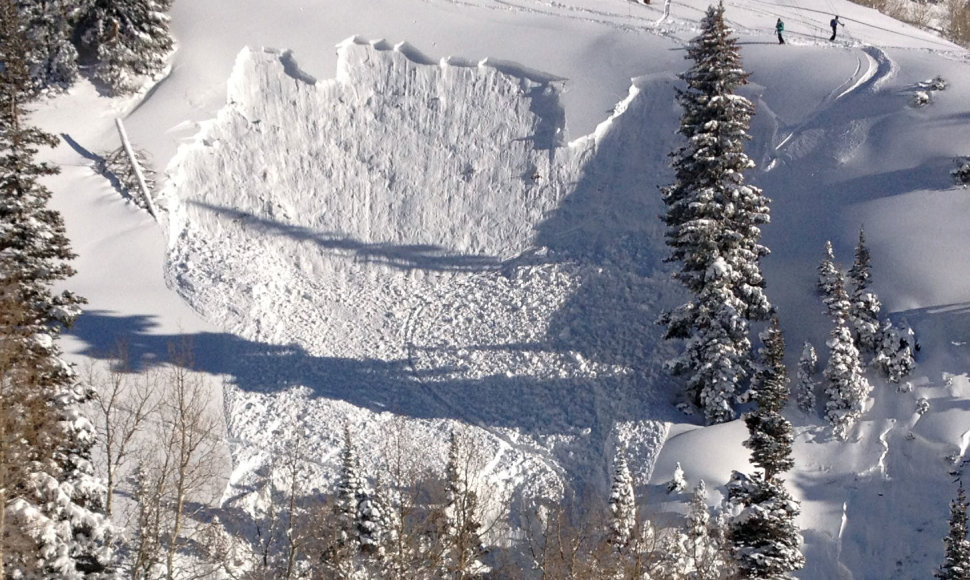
(827, 273)
(622, 504)
(372, 523)
(764, 540)
(894, 352)
(131, 39)
(847, 388)
(463, 545)
(698, 551)
(771, 435)
(52, 503)
(48, 26)
(956, 556)
(713, 225)
(864, 305)
(678, 482)
(806, 381)
(763, 536)
(351, 492)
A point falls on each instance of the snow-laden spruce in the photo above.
(827, 273)
(622, 504)
(764, 539)
(53, 522)
(847, 388)
(806, 379)
(956, 557)
(131, 39)
(698, 552)
(864, 305)
(765, 542)
(49, 25)
(713, 224)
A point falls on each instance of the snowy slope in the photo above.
(458, 225)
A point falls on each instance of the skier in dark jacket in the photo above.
(835, 23)
(779, 28)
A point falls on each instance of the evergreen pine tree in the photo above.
(805, 379)
(765, 542)
(372, 524)
(956, 557)
(894, 352)
(828, 271)
(763, 535)
(54, 523)
(847, 388)
(51, 57)
(350, 488)
(864, 305)
(713, 225)
(131, 40)
(703, 557)
(771, 435)
(622, 504)
(463, 545)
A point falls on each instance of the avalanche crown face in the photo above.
(401, 238)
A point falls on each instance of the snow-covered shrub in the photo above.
(678, 483)
(922, 405)
(921, 98)
(936, 83)
(963, 173)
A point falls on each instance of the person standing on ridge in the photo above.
(780, 27)
(835, 23)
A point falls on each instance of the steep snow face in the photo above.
(312, 188)
(399, 238)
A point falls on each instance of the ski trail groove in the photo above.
(880, 70)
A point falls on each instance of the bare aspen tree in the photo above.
(557, 547)
(124, 404)
(147, 522)
(191, 438)
(283, 530)
(174, 473)
(405, 484)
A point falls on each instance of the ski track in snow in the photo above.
(846, 139)
(880, 70)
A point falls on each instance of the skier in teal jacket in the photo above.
(780, 27)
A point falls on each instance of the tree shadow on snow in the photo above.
(372, 384)
(401, 256)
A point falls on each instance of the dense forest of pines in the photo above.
(61, 514)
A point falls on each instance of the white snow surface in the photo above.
(458, 226)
